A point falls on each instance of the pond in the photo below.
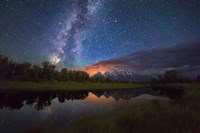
(23, 111)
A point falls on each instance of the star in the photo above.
(78, 33)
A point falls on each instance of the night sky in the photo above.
(76, 33)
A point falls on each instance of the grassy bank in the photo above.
(144, 118)
(179, 85)
(183, 116)
(70, 86)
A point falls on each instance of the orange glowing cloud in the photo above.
(99, 67)
(103, 66)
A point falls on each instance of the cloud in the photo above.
(183, 57)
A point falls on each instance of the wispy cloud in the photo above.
(183, 57)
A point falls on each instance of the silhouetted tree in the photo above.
(4, 67)
(64, 74)
(198, 78)
(57, 76)
(172, 76)
(47, 70)
(36, 73)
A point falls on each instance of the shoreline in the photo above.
(67, 86)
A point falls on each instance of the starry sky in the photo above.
(76, 33)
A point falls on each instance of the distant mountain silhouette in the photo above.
(183, 57)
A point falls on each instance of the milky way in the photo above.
(75, 31)
(78, 33)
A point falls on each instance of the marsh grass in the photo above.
(182, 116)
(67, 86)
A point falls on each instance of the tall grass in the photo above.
(183, 116)
(67, 86)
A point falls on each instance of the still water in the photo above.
(23, 111)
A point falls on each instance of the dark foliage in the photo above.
(173, 76)
(45, 72)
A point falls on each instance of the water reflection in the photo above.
(24, 111)
(41, 99)
(17, 99)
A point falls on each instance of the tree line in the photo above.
(174, 76)
(46, 71)
(12, 71)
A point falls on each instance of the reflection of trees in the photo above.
(172, 92)
(13, 103)
(39, 100)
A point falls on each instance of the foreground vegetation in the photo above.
(180, 116)
(67, 86)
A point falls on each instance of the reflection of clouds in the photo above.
(109, 101)
(93, 99)
(145, 98)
